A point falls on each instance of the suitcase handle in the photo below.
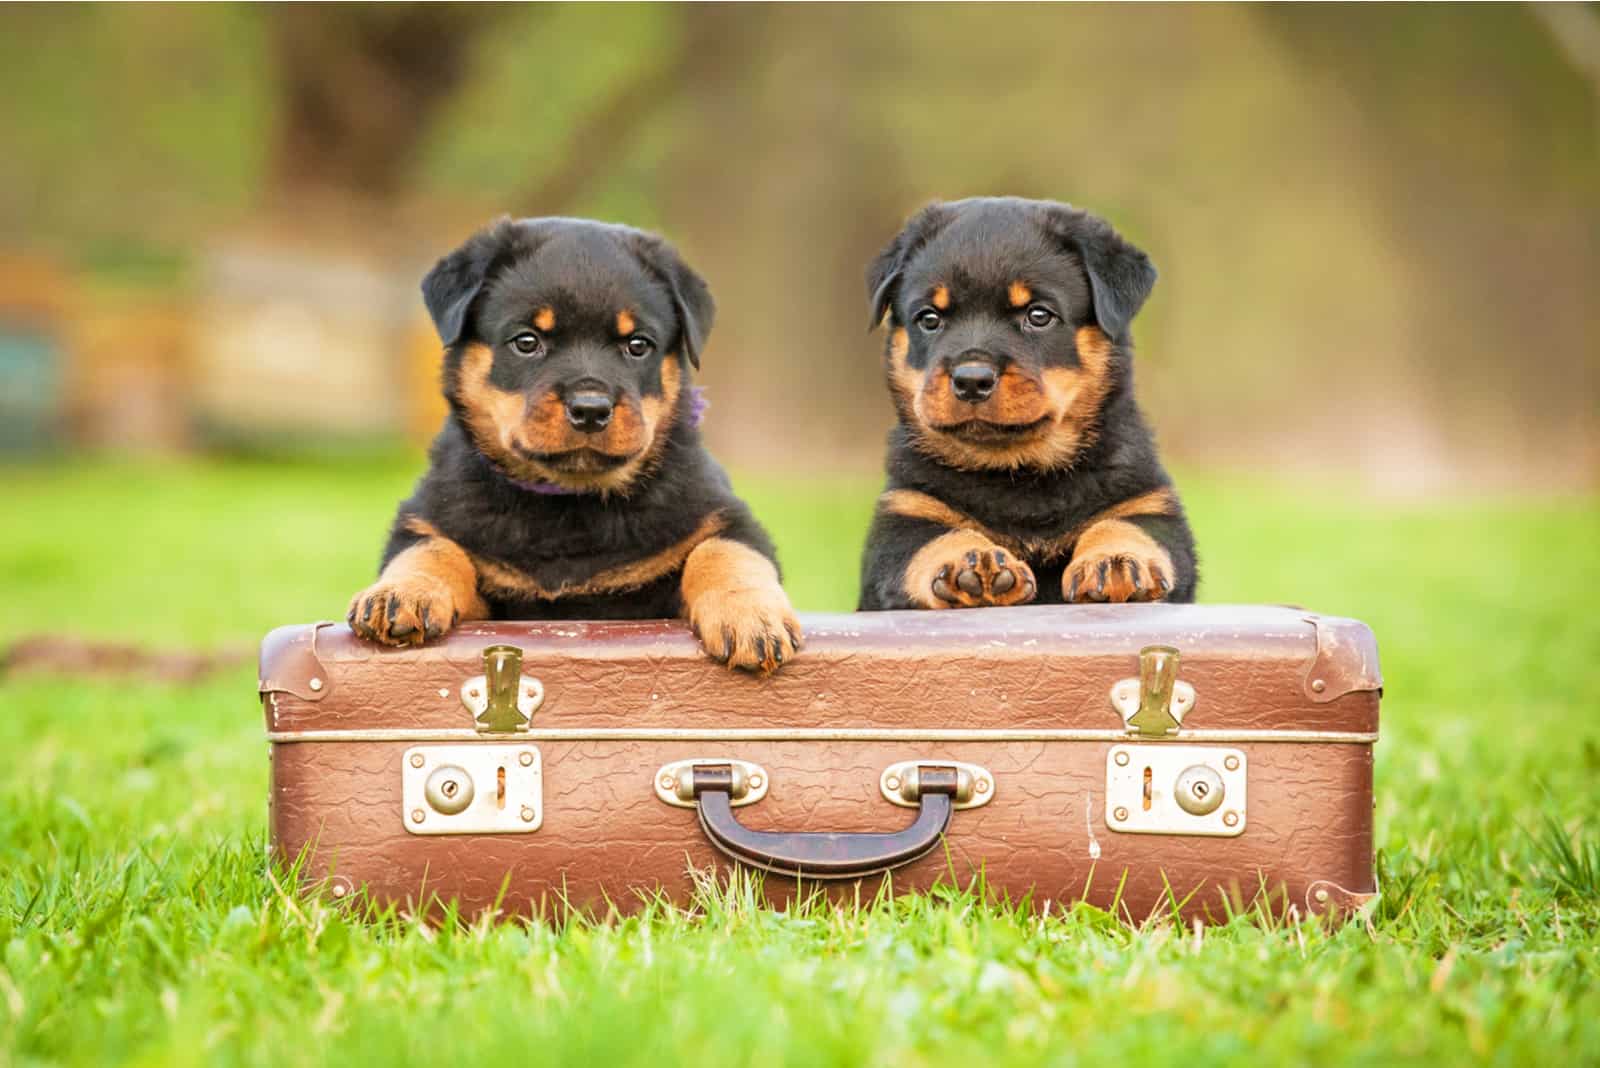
(824, 854)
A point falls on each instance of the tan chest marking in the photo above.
(916, 505)
(502, 581)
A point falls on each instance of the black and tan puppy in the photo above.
(569, 480)
(1021, 469)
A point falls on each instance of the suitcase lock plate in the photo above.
(1169, 788)
(472, 789)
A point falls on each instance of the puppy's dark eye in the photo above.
(1039, 316)
(638, 346)
(930, 321)
(527, 343)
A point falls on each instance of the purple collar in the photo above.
(694, 411)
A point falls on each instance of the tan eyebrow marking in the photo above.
(1019, 294)
(545, 319)
(941, 297)
(625, 323)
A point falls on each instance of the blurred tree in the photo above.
(360, 86)
(787, 181)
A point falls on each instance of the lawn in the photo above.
(138, 922)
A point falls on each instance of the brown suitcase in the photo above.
(544, 764)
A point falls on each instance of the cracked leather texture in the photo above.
(607, 838)
(1031, 667)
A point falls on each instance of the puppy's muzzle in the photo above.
(589, 411)
(973, 381)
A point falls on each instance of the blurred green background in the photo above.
(1377, 227)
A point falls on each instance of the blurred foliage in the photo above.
(129, 120)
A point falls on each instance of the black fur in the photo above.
(487, 291)
(1092, 277)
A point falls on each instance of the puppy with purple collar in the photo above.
(569, 480)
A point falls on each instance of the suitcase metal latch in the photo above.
(502, 700)
(1154, 704)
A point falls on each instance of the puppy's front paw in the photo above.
(404, 612)
(1117, 577)
(979, 577)
(753, 629)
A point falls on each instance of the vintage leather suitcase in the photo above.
(1137, 756)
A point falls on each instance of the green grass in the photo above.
(138, 921)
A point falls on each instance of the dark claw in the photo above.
(777, 653)
(794, 636)
(761, 650)
(970, 582)
(1166, 584)
(429, 627)
(1004, 580)
(1133, 577)
(1072, 590)
(727, 645)
(941, 590)
(393, 607)
(1105, 568)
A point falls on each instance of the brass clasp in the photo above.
(502, 700)
(1154, 704)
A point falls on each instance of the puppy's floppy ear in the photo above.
(1120, 275)
(691, 297)
(883, 279)
(883, 276)
(455, 281)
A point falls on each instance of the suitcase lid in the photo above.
(1010, 673)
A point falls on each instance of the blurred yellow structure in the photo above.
(299, 344)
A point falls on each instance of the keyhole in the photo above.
(500, 788)
(450, 788)
(1147, 778)
(1200, 790)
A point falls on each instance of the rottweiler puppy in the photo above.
(1021, 468)
(569, 480)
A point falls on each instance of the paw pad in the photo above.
(984, 577)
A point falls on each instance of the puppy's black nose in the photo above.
(973, 381)
(589, 411)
